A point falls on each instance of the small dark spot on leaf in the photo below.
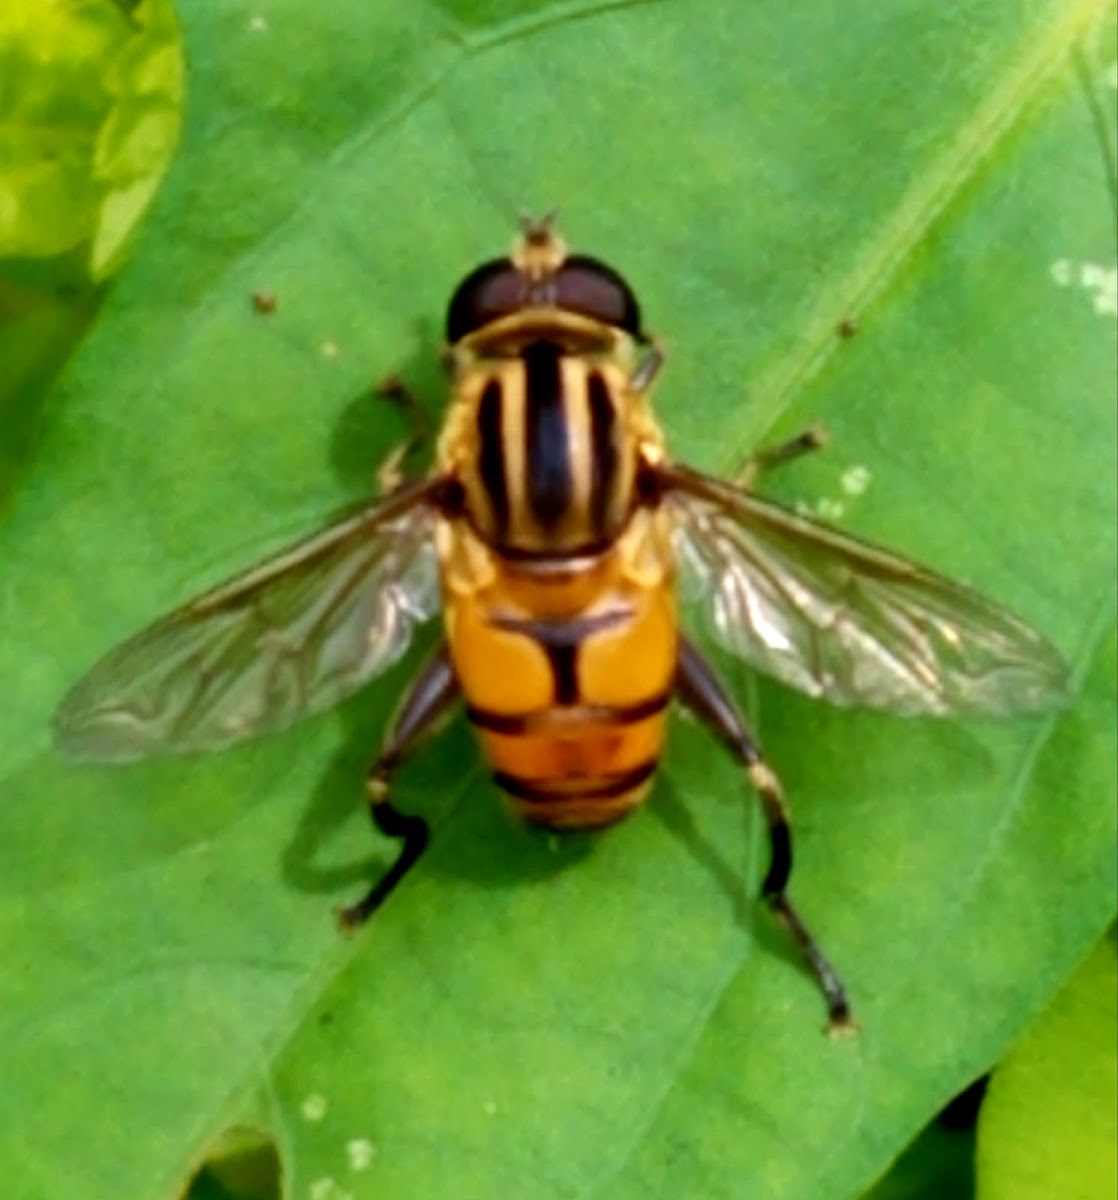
(847, 328)
(264, 302)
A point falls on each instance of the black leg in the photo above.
(700, 690)
(812, 438)
(426, 701)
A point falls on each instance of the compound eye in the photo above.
(493, 290)
(587, 286)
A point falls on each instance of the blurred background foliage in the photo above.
(91, 97)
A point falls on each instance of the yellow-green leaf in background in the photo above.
(90, 107)
(1049, 1124)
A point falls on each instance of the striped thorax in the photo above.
(557, 579)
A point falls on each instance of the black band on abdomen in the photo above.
(602, 787)
(544, 721)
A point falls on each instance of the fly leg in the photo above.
(392, 472)
(648, 368)
(426, 701)
(700, 690)
(812, 438)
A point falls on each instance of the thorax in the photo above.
(545, 442)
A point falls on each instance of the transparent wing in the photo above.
(847, 622)
(289, 637)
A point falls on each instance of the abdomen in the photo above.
(567, 677)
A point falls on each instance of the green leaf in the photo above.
(940, 1161)
(1050, 1124)
(614, 1016)
(43, 314)
(938, 1164)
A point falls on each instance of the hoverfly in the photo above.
(550, 531)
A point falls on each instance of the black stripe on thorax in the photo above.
(603, 451)
(547, 562)
(547, 456)
(491, 455)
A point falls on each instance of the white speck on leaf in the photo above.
(490, 1108)
(1062, 272)
(1105, 298)
(313, 1107)
(360, 1152)
(329, 349)
(830, 510)
(323, 1189)
(257, 23)
(855, 480)
(1100, 281)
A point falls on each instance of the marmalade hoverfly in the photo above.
(550, 531)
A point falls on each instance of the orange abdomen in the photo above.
(567, 676)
